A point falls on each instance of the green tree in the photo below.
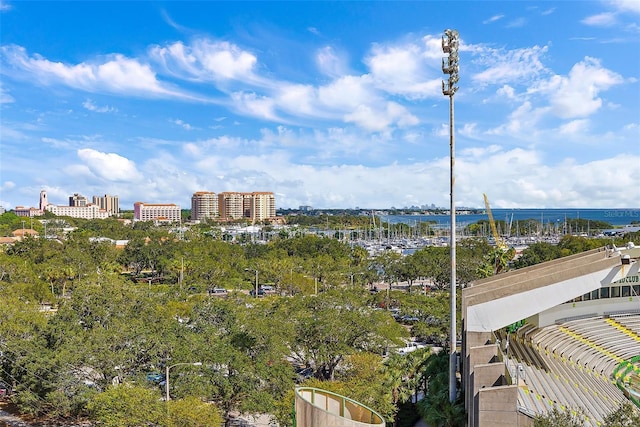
(537, 253)
(192, 412)
(128, 406)
(558, 418)
(333, 325)
(435, 408)
(625, 416)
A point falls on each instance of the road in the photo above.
(8, 420)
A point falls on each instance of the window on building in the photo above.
(615, 292)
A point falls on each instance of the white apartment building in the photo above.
(204, 205)
(89, 211)
(78, 207)
(167, 212)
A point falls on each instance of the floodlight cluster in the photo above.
(450, 63)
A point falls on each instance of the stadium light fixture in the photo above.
(450, 42)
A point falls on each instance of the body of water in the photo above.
(615, 217)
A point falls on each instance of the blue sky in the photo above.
(329, 104)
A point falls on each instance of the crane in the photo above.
(494, 231)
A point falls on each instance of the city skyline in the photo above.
(331, 105)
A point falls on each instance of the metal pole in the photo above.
(450, 67)
(166, 382)
(256, 283)
(453, 331)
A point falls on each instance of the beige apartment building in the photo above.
(204, 205)
(263, 206)
(166, 212)
(111, 204)
(256, 206)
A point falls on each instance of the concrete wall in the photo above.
(320, 408)
(497, 407)
(488, 371)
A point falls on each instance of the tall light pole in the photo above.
(166, 376)
(449, 88)
(256, 271)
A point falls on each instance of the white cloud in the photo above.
(378, 120)
(4, 6)
(346, 93)
(204, 59)
(494, 18)
(8, 185)
(5, 97)
(118, 74)
(298, 99)
(184, 125)
(522, 121)
(406, 69)
(109, 166)
(626, 5)
(577, 95)
(574, 127)
(255, 105)
(507, 66)
(91, 106)
(330, 63)
(506, 91)
(605, 19)
(517, 23)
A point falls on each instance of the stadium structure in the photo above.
(321, 408)
(563, 334)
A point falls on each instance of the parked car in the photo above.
(252, 292)
(411, 346)
(155, 377)
(408, 319)
(303, 374)
(217, 291)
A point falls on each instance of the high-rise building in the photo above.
(204, 205)
(263, 206)
(167, 212)
(256, 206)
(78, 200)
(111, 204)
(231, 205)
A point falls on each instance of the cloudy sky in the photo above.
(334, 105)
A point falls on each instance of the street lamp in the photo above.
(166, 376)
(256, 291)
(449, 88)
